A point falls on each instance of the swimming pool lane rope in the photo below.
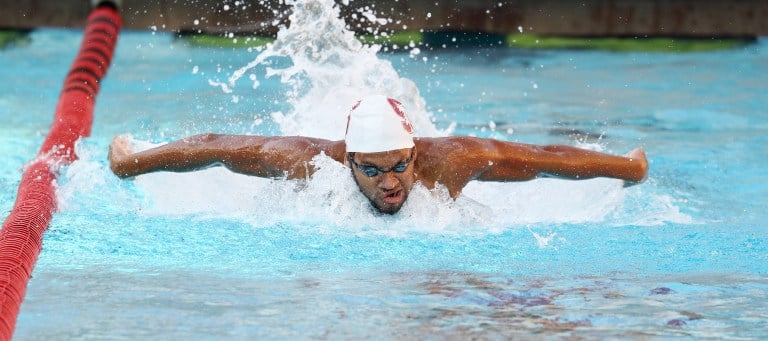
(22, 232)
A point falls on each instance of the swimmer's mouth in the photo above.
(394, 197)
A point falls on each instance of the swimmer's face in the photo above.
(385, 178)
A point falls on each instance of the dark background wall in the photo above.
(692, 18)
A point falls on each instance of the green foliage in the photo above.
(529, 41)
(13, 37)
(401, 39)
(533, 41)
(208, 40)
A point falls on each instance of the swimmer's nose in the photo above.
(388, 181)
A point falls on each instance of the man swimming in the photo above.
(383, 156)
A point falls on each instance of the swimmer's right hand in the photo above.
(638, 156)
(119, 149)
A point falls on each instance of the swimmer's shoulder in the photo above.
(308, 147)
(333, 148)
(445, 144)
(437, 151)
(434, 150)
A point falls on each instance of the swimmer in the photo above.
(384, 158)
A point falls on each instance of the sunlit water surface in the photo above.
(214, 254)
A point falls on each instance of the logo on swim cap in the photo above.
(349, 116)
(398, 108)
(377, 124)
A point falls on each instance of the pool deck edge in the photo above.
(689, 18)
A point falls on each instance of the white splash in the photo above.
(329, 71)
(542, 241)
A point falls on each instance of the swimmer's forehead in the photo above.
(391, 156)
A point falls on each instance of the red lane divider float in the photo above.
(21, 237)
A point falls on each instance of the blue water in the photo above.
(682, 255)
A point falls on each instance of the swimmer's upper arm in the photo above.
(470, 158)
(277, 157)
(507, 161)
(455, 161)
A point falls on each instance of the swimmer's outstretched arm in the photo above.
(459, 160)
(262, 156)
(524, 162)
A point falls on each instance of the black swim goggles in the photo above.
(371, 171)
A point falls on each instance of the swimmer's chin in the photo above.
(389, 209)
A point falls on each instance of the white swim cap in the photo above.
(378, 124)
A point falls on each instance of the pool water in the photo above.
(218, 255)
